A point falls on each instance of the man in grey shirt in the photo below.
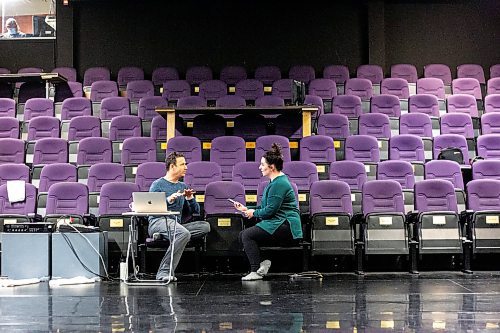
(179, 198)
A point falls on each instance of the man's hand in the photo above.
(189, 193)
(171, 198)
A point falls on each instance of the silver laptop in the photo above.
(149, 202)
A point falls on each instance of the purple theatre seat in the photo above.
(471, 71)
(50, 150)
(462, 103)
(9, 127)
(395, 86)
(303, 73)
(211, 90)
(446, 170)
(406, 147)
(302, 173)
(227, 151)
(337, 73)
(486, 169)
(25, 70)
(94, 74)
(139, 89)
(43, 127)
(348, 105)
(14, 172)
(451, 140)
(267, 74)
(84, 127)
(217, 193)
(159, 128)
(407, 72)
(248, 174)
(138, 150)
(35, 107)
(424, 103)
(317, 149)
(438, 71)
(488, 146)
(29, 90)
(374, 73)
(386, 104)
(265, 142)
(490, 123)
(147, 106)
(415, 123)
(495, 71)
(114, 106)
(330, 196)
(359, 87)
(164, 74)
(382, 196)
(7, 107)
(250, 89)
(375, 124)
(115, 197)
(467, 86)
(148, 172)
(11, 150)
(175, 89)
(333, 125)
(431, 86)
(200, 174)
(269, 101)
(56, 173)
(4, 70)
(493, 86)
(207, 127)
(352, 173)
(190, 146)
(435, 195)
(230, 101)
(283, 88)
(400, 171)
(362, 148)
(102, 89)
(457, 123)
(324, 88)
(75, 107)
(197, 74)
(68, 199)
(315, 101)
(191, 102)
(68, 72)
(129, 74)
(492, 103)
(483, 195)
(103, 173)
(233, 74)
(94, 150)
(123, 127)
(26, 207)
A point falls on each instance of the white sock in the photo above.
(264, 267)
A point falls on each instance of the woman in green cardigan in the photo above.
(278, 214)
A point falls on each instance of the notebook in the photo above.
(149, 202)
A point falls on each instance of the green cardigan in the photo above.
(279, 205)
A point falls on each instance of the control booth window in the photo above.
(28, 19)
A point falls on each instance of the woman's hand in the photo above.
(239, 206)
(248, 213)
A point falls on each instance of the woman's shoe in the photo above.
(264, 267)
(253, 276)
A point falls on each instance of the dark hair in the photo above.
(274, 156)
(172, 158)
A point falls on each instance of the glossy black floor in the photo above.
(375, 302)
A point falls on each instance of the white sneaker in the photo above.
(264, 267)
(167, 279)
(253, 276)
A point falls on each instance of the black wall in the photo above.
(222, 32)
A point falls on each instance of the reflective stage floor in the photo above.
(375, 302)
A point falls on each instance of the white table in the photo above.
(130, 248)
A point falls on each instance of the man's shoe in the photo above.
(264, 267)
(253, 276)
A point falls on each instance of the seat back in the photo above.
(431, 86)
(164, 74)
(406, 147)
(457, 123)
(56, 173)
(248, 174)
(324, 88)
(483, 194)
(267, 74)
(352, 173)
(94, 74)
(139, 89)
(68, 198)
(264, 143)
(467, 86)
(333, 125)
(407, 72)
(99, 90)
(439, 71)
(115, 197)
(232, 74)
(226, 151)
(148, 172)
(200, 174)
(35, 107)
(382, 196)
(14, 172)
(374, 124)
(50, 150)
(447, 170)
(348, 105)
(418, 124)
(317, 149)
(462, 103)
(129, 74)
(189, 146)
(362, 148)
(28, 206)
(84, 127)
(374, 73)
(103, 173)
(303, 73)
(75, 107)
(488, 146)
(138, 150)
(435, 195)
(94, 150)
(424, 103)
(486, 169)
(360, 87)
(400, 171)
(474, 71)
(43, 127)
(113, 107)
(337, 73)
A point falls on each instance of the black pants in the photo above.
(253, 237)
